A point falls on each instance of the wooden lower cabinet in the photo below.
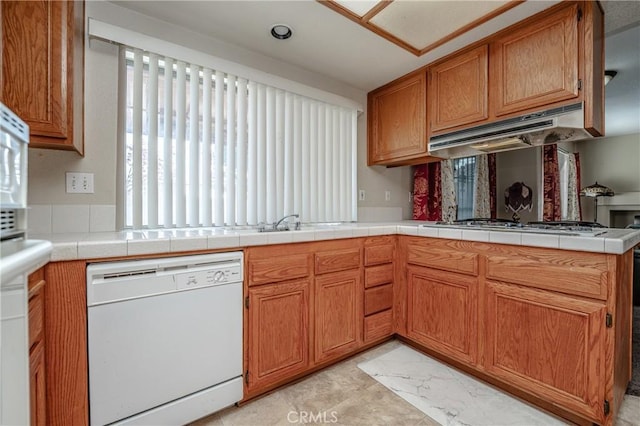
(37, 368)
(278, 333)
(338, 317)
(549, 344)
(37, 384)
(552, 326)
(442, 311)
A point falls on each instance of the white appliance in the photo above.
(14, 350)
(14, 355)
(561, 124)
(165, 338)
(14, 142)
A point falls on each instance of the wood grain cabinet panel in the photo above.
(442, 312)
(278, 335)
(378, 275)
(37, 367)
(378, 299)
(537, 64)
(549, 344)
(282, 268)
(42, 69)
(458, 90)
(582, 274)
(337, 260)
(379, 254)
(397, 121)
(338, 314)
(37, 386)
(438, 256)
(378, 326)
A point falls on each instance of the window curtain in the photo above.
(551, 189)
(573, 189)
(449, 203)
(427, 192)
(484, 199)
(578, 184)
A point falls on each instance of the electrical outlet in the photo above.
(361, 195)
(79, 183)
(387, 195)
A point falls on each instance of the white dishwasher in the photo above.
(165, 338)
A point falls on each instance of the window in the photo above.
(204, 148)
(464, 170)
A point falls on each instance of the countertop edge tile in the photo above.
(74, 246)
(98, 249)
(67, 250)
(137, 247)
(178, 244)
(223, 241)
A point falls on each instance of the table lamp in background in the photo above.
(596, 190)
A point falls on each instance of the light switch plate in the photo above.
(79, 183)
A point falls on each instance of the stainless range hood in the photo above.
(551, 126)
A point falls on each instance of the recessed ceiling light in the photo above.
(281, 31)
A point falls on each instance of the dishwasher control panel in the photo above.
(206, 277)
(109, 282)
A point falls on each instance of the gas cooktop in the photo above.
(575, 228)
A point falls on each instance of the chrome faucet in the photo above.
(277, 224)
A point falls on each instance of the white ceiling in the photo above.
(330, 44)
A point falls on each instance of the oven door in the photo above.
(14, 140)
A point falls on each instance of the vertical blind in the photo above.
(207, 148)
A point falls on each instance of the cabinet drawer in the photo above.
(378, 326)
(444, 258)
(262, 271)
(36, 317)
(337, 261)
(378, 275)
(377, 255)
(36, 278)
(581, 274)
(378, 299)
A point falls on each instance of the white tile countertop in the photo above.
(22, 256)
(73, 246)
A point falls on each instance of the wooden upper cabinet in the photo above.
(42, 69)
(458, 90)
(537, 64)
(397, 121)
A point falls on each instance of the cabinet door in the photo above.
(549, 344)
(397, 121)
(278, 334)
(442, 312)
(458, 90)
(338, 314)
(37, 386)
(38, 67)
(536, 65)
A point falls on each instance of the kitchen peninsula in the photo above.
(546, 317)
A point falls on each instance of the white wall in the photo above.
(47, 167)
(613, 162)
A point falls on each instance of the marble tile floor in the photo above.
(344, 394)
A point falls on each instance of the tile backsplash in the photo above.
(64, 218)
